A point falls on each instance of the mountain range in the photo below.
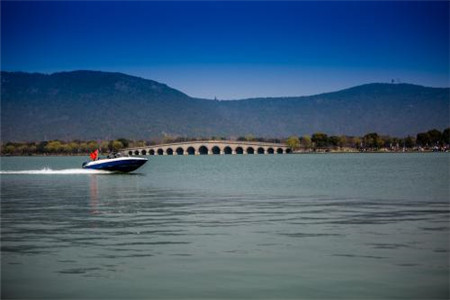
(96, 105)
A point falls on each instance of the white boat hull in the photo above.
(119, 164)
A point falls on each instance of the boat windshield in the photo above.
(114, 155)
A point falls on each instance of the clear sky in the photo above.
(234, 50)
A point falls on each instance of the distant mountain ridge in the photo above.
(102, 105)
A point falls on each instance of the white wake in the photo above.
(48, 171)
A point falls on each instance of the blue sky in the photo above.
(234, 50)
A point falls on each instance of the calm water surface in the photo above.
(281, 226)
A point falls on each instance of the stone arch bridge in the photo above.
(209, 148)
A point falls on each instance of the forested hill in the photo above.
(100, 105)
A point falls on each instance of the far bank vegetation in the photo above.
(432, 140)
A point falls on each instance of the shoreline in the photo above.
(294, 153)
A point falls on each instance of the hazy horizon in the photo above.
(235, 99)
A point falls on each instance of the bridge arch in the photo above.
(215, 150)
(250, 150)
(136, 152)
(180, 151)
(151, 152)
(227, 150)
(190, 150)
(130, 152)
(260, 150)
(270, 151)
(144, 152)
(239, 150)
(279, 151)
(203, 150)
(169, 151)
(160, 151)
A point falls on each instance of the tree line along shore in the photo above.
(432, 140)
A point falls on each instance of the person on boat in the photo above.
(94, 155)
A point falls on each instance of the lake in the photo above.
(243, 226)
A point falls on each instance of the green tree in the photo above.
(65, 148)
(372, 140)
(104, 146)
(435, 136)
(83, 146)
(141, 143)
(53, 147)
(320, 139)
(343, 141)
(356, 142)
(9, 149)
(306, 141)
(73, 147)
(333, 141)
(446, 136)
(293, 142)
(396, 143)
(29, 148)
(41, 147)
(124, 142)
(115, 146)
(409, 142)
(92, 145)
(423, 139)
(388, 141)
(250, 138)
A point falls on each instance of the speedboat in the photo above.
(115, 163)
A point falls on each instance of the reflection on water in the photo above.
(49, 171)
(218, 227)
(94, 194)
